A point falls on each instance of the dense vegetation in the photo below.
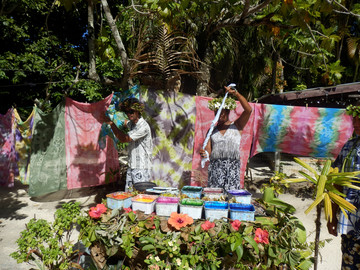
(86, 49)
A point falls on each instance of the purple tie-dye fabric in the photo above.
(8, 165)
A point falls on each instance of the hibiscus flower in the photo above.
(236, 224)
(261, 236)
(179, 220)
(97, 211)
(207, 225)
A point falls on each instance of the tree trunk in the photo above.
(92, 64)
(317, 234)
(123, 55)
(204, 81)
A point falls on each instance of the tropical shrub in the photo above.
(124, 239)
(151, 242)
(49, 244)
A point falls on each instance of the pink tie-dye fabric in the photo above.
(8, 165)
(204, 117)
(86, 163)
(306, 131)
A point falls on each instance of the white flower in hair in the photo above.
(214, 104)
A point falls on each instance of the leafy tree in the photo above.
(86, 49)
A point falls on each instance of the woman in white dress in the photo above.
(224, 144)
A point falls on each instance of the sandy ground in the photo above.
(17, 208)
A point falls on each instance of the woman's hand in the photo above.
(107, 120)
(229, 90)
(202, 153)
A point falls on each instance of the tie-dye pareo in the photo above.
(23, 133)
(87, 164)
(8, 165)
(171, 117)
(47, 161)
(306, 131)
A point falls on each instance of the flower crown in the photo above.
(353, 110)
(214, 104)
(133, 104)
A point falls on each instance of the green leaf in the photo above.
(132, 216)
(326, 168)
(198, 229)
(148, 247)
(239, 252)
(320, 185)
(315, 203)
(305, 165)
(145, 240)
(305, 265)
(253, 243)
(248, 230)
(294, 257)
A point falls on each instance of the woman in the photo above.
(224, 144)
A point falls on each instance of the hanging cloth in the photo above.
(23, 135)
(87, 164)
(8, 165)
(47, 160)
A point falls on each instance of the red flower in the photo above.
(97, 211)
(127, 210)
(179, 220)
(207, 225)
(261, 236)
(236, 224)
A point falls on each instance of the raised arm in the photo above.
(244, 117)
(123, 137)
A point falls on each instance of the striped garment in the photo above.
(349, 157)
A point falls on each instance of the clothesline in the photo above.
(179, 129)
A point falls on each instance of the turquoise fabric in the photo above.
(116, 115)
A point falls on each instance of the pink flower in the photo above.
(97, 211)
(261, 236)
(236, 224)
(207, 225)
(128, 210)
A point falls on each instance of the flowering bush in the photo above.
(151, 242)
